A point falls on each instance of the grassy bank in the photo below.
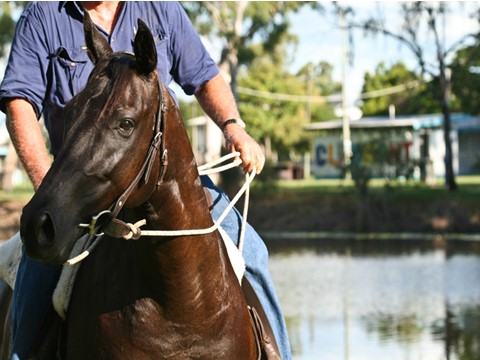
(337, 206)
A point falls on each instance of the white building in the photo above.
(411, 146)
(207, 141)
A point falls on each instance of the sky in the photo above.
(320, 39)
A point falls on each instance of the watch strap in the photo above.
(240, 122)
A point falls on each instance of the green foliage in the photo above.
(322, 77)
(8, 10)
(421, 99)
(257, 34)
(466, 79)
(319, 81)
(241, 25)
(279, 121)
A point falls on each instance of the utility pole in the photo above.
(347, 142)
(308, 116)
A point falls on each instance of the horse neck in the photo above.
(192, 268)
(180, 199)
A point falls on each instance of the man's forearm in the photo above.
(216, 99)
(27, 138)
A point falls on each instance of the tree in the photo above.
(418, 16)
(319, 81)
(418, 98)
(274, 120)
(7, 23)
(239, 24)
(276, 123)
(466, 79)
(256, 34)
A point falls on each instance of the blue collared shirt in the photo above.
(48, 62)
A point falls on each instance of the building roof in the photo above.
(416, 122)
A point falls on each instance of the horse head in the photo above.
(109, 128)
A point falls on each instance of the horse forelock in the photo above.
(111, 86)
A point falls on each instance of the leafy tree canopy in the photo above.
(466, 79)
(240, 24)
(280, 122)
(421, 98)
(7, 23)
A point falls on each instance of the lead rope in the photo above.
(209, 169)
(205, 169)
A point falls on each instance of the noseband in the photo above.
(157, 144)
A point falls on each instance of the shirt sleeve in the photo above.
(192, 65)
(26, 72)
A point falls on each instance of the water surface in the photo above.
(380, 300)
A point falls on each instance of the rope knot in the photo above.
(135, 231)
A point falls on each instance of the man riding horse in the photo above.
(48, 65)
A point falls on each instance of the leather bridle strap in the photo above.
(143, 175)
(146, 168)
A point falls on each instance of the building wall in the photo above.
(327, 157)
(388, 153)
(469, 159)
(206, 140)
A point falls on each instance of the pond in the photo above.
(380, 300)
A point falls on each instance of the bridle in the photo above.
(107, 219)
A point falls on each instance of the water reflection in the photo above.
(380, 301)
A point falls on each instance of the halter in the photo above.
(142, 176)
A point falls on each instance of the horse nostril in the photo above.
(46, 229)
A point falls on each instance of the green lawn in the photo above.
(468, 185)
(397, 192)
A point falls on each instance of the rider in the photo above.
(48, 65)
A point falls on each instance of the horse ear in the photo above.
(97, 47)
(144, 48)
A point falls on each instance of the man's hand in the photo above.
(217, 100)
(250, 152)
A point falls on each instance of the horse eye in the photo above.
(127, 125)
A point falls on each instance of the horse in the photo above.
(126, 150)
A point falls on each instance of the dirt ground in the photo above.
(10, 212)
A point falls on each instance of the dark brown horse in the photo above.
(154, 298)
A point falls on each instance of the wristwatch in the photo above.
(240, 122)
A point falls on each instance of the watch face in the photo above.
(241, 123)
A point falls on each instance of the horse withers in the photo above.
(169, 297)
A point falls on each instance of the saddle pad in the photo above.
(63, 291)
(10, 255)
(235, 256)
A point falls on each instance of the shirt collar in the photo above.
(72, 5)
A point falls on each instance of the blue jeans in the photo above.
(32, 297)
(36, 281)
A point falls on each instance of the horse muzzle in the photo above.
(42, 239)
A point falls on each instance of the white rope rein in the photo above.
(205, 169)
(210, 168)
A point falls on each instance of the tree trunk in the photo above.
(446, 91)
